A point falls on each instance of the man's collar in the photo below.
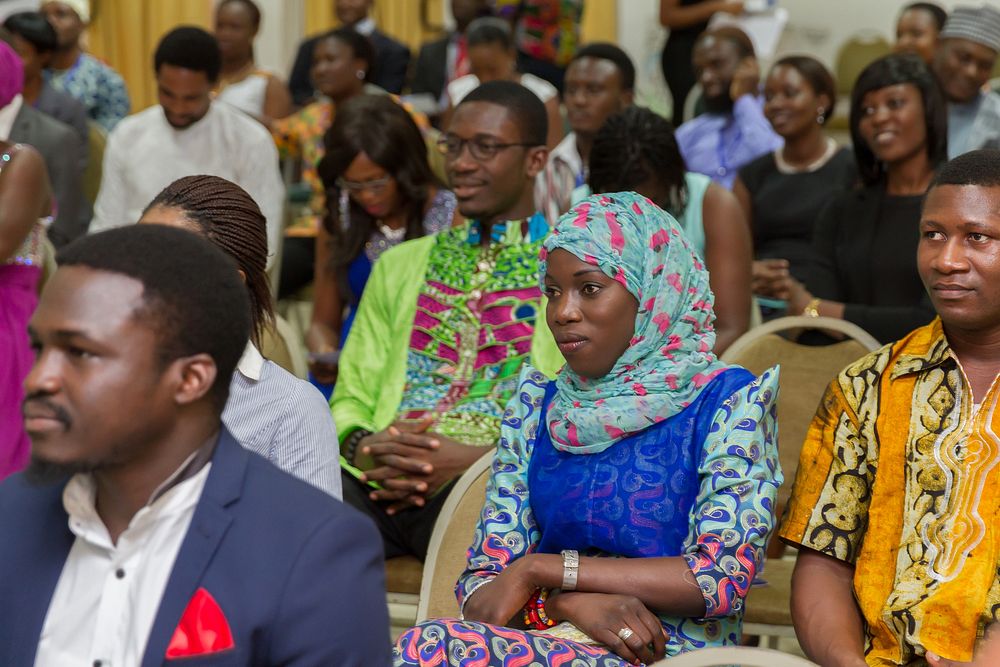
(567, 152)
(510, 232)
(365, 26)
(251, 363)
(8, 115)
(938, 351)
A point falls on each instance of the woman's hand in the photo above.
(320, 340)
(798, 297)
(502, 599)
(771, 278)
(603, 616)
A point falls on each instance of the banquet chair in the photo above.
(743, 656)
(806, 370)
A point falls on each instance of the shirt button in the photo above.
(120, 573)
(98, 663)
(721, 171)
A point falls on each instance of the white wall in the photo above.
(816, 27)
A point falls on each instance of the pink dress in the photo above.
(19, 277)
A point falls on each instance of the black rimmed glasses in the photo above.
(481, 148)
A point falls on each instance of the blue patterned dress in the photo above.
(700, 485)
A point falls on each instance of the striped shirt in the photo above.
(284, 419)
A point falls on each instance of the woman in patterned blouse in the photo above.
(380, 191)
(632, 496)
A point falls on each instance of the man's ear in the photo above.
(194, 377)
(535, 160)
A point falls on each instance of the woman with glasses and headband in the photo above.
(380, 191)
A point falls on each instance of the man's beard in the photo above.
(720, 104)
(41, 472)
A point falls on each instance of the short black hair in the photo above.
(528, 111)
(360, 45)
(937, 13)
(633, 146)
(33, 28)
(193, 297)
(889, 71)
(490, 30)
(819, 77)
(980, 168)
(739, 39)
(613, 54)
(191, 48)
(251, 7)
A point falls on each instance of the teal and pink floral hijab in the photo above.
(670, 358)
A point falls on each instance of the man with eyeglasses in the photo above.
(445, 325)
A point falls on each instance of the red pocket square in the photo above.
(203, 629)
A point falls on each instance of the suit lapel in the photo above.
(20, 130)
(42, 567)
(209, 524)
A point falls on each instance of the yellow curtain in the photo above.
(409, 22)
(125, 34)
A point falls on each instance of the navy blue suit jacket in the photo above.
(298, 575)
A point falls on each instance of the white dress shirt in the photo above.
(145, 154)
(284, 419)
(106, 600)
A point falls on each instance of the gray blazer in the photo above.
(60, 146)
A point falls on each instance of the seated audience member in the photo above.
(894, 507)
(865, 242)
(685, 20)
(964, 63)
(733, 130)
(600, 577)
(546, 33)
(442, 61)
(58, 144)
(72, 70)
(382, 192)
(25, 199)
(342, 62)
(34, 39)
(636, 150)
(492, 58)
(187, 133)
(445, 324)
(389, 65)
(600, 81)
(241, 83)
(270, 411)
(782, 193)
(918, 30)
(142, 532)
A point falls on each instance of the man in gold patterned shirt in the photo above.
(896, 503)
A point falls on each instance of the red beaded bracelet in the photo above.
(534, 611)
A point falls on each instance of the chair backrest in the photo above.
(806, 371)
(282, 346)
(859, 51)
(453, 530)
(91, 180)
(743, 656)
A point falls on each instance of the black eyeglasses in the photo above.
(481, 149)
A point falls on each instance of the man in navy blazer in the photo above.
(142, 532)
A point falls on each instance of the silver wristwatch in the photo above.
(571, 569)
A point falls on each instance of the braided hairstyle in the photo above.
(631, 148)
(228, 217)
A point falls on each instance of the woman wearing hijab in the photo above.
(632, 496)
(25, 199)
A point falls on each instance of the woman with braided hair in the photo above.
(270, 411)
(636, 150)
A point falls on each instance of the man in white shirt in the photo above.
(186, 134)
(143, 532)
(600, 82)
